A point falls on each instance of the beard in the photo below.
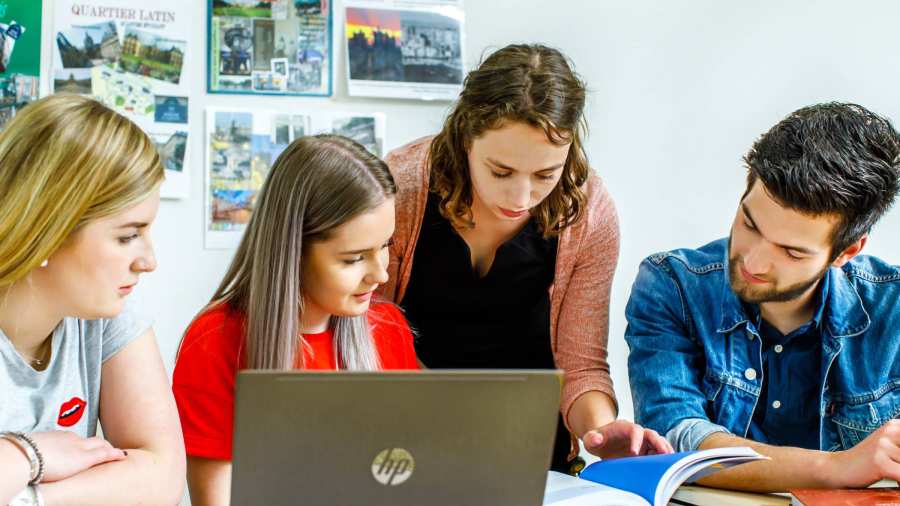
(753, 295)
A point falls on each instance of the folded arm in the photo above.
(138, 414)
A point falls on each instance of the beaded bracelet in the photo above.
(28, 446)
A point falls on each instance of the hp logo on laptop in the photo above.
(393, 466)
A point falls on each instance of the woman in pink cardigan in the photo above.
(506, 244)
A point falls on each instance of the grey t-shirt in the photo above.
(66, 395)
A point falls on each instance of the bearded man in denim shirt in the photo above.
(782, 337)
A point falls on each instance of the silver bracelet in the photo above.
(28, 446)
(29, 496)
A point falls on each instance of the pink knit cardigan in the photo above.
(579, 296)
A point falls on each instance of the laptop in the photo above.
(399, 438)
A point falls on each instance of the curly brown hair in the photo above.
(532, 84)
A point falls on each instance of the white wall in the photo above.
(680, 90)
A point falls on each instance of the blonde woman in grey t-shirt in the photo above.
(79, 188)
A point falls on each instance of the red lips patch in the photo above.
(71, 411)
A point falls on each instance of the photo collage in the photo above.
(270, 47)
(136, 68)
(242, 146)
(136, 60)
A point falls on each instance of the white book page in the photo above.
(565, 490)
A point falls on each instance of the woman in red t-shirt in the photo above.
(298, 295)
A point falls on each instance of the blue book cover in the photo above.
(640, 475)
(657, 477)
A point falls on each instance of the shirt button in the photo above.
(750, 374)
(776, 404)
(779, 348)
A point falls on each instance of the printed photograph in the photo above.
(233, 199)
(280, 66)
(171, 109)
(236, 46)
(26, 88)
(361, 129)
(171, 149)
(403, 46)
(89, 46)
(235, 83)
(243, 8)
(263, 156)
(287, 33)
(431, 48)
(286, 128)
(230, 148)
(231, 209)
(281, 8)
(373, 44)
(122, 91)
(9, 34)
(149, 55)
(311, 68)
(306, 7)
(72, 81)
(268, 81)
(18, 89)
(263, 43)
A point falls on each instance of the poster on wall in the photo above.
(405, 49)
(242, 146)
(133, 57)
(20, 55)
(269, 47)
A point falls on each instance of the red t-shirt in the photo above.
(211, 355)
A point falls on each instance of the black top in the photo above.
(499, 321)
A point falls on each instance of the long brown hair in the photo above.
(66, 160)
(317, 183)
(533, 84)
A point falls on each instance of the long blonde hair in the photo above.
(318, 183)
(66, 160)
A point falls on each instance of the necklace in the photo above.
(39, 359)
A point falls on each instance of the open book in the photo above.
(640, 481)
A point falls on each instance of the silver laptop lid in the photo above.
(394, 438)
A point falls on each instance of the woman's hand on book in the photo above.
(622, 438)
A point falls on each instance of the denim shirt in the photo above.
(696, 363)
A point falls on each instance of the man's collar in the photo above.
(845, 315)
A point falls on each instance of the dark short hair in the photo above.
(529, 83)
(834, 158)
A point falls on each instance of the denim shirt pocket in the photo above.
(857, 417)
(711, 386)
